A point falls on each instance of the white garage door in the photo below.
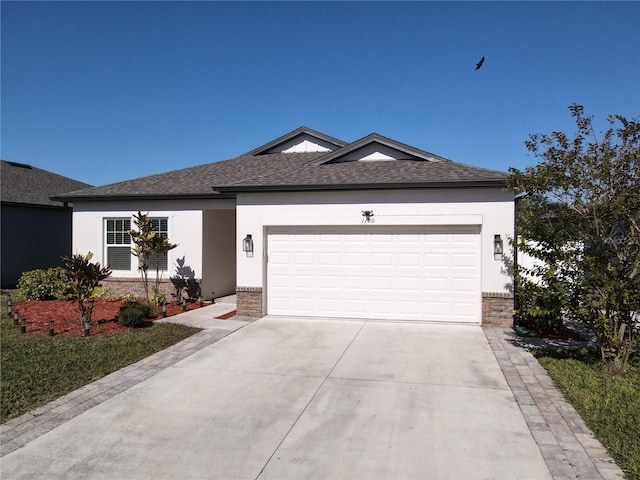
(399, 273)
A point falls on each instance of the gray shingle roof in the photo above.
(389, 174)
(24, 184)
(195, 182)
(258, 171)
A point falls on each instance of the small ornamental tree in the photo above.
(84, 281)
(148, 244)
(581, 220)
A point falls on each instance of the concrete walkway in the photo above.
(295, 398)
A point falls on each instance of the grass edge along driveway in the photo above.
(37, 369)
(608, 404)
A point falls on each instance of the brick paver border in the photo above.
(21, 430)
(569, 448)
(567, 445)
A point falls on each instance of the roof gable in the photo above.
(376, 147)
(300, 140)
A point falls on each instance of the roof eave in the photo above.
(169, 196)
(34, 205)
(498, 183)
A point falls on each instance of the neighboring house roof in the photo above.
(324, 163)
(27, 185)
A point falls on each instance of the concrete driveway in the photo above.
(299, 398)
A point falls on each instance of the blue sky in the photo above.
(107, 91)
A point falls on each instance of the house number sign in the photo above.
(367, 216)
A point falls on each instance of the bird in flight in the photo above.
(479, 64)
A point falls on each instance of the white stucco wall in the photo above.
(185, 224)
(492, 209)
(219, 254)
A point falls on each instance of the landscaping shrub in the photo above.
(540, 306)
(49, 284)
(133, 314)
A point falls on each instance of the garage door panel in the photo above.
(382, 306)
(355, 307)
(330, 258)
(439, 259)
(463, 260)
(381, 259)
(328, 281)
(305, 281)
(355, 259)
(416, 273)
(463, 285)
(381, 283)
(409, 259)
(435, 286)
(409, 285)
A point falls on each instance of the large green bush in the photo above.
(540, 305)
(133, 314)
(49, 284)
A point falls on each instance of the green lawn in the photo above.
(37, 369)
(609, 405)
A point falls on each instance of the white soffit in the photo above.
(375, 152)
(304, 143)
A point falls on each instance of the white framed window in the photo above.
(160, 225)
(118, 243)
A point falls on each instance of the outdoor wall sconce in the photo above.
(498, 248)
(247, 245)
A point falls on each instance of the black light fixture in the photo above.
(184, 304)
(164, 309)
(201, 300)
(247, 244)
(213, 297)
(51, 332)
(498, 248)
(87, 326)
(15, 318)
(9, 306)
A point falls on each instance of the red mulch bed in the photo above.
(227, 315)
(66, 316)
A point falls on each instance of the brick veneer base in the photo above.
(120, 286)
(497, 309)
(249, 301)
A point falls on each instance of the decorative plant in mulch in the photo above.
(64, 313)
(84, 281)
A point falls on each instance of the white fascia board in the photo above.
(306, 220)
